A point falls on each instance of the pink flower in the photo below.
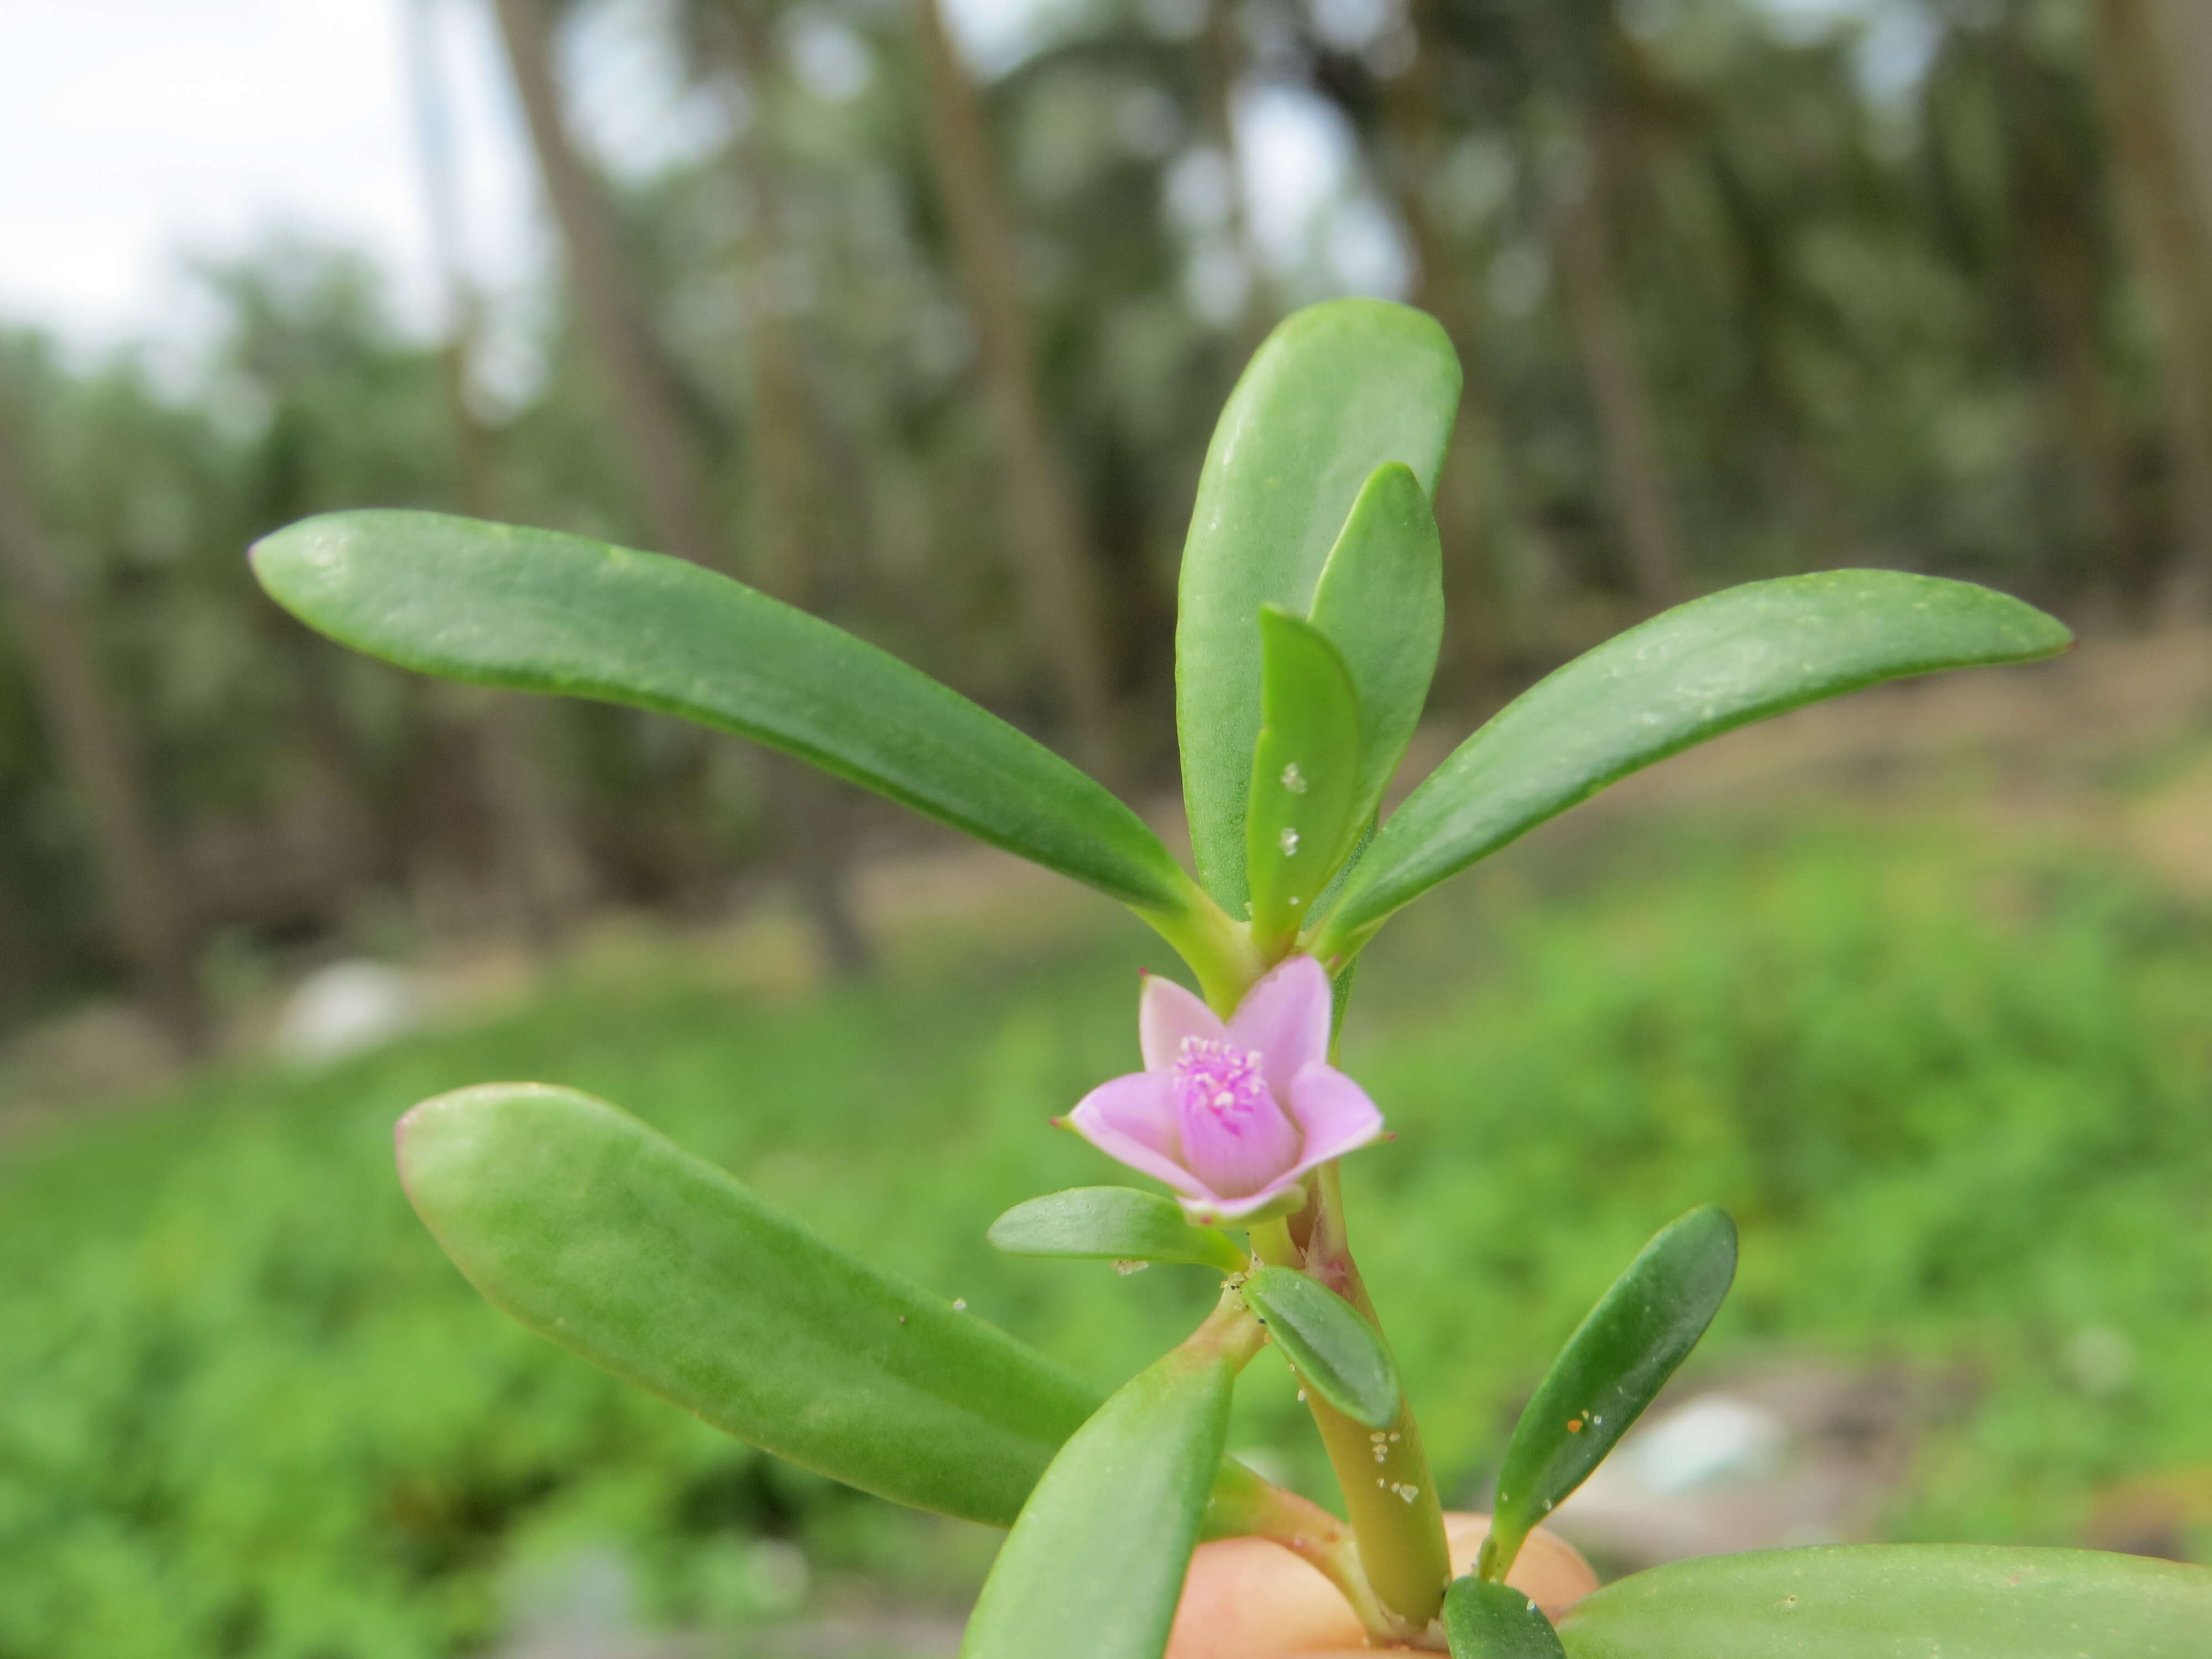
(1232, 1115)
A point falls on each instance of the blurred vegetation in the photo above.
(1956, 1098)
(1740, 291)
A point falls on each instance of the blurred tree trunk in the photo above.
(662, 451)
(1221, 56)
(648, 418)
(2144, 91)
(1577, 119)
(1484, 636)
(2053, 193)
(1053, 568)
(362, 841)
(542, 872)
(19, 965)
(1640, 500)
(147, 912)
(2184, 30)
(815, 818)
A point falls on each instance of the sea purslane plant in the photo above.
(1311, 617)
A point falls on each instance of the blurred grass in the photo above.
(1954, 1086)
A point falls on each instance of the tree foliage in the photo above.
(1868, 315)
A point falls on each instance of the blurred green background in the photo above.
(923, 321)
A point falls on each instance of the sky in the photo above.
(140, 136)
(141, 133)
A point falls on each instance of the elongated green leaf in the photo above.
(594, 1230)
(1306, 776)
(1337, 390)
(1901, 1601)
(540, 611)
(1096, 1563)
(1483, 1621)
(1690, 674)
(1615, 1361)
(1337, 1353)
(1118, 1223)
(1381, 601)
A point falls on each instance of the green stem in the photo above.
(1272, 944)
(1231, 1329)
(1220, 948)
(1258, 1509)
(1389, 1491)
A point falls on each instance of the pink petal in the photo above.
(1166, 1014)
(1132, 1120)
(1238, 1152)
(1336, 1114)
(1286, 1017)
(1210, 1208)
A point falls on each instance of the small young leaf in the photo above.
(1337, 390)
(1690, 674)
(1876, 1601)
(535, 611)
(1306, 776)
(1118, 1223)
(1484, 1620)
(1611, 1367)
(1381, 601)
(1336, 1353)
(1096, 1563)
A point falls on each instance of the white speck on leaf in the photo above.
(1293, 780)
(1288, 840)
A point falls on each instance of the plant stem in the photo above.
(1255, 1508)
(1231, 1329)
(1389, 1492)
(1220, 948)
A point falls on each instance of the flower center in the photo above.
(1220, 1079)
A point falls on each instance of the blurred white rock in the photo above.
(580, 1604)
(1797, 1453)
(1715, 1437)
(347, 1008)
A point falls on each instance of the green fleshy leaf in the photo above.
(594, 1230)
(1618, 1358)
(536, 611)
(1096, 1563)
(1336, 1353)
(1901, 1601)
(1484, 1620)
(1690, 674)
(1118, 1223)
(1381, 601)
(1305, 777)
(1337, 390)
